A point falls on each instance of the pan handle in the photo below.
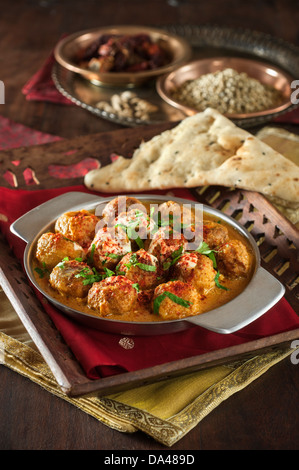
(29, 224)
(263, 292)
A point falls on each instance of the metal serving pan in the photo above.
(262, 292)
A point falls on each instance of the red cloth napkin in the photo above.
(102, 354)
(13, 135)
(292, 117)
(41, 87)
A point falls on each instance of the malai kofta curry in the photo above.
(137, 263)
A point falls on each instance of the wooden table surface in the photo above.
(263, 416)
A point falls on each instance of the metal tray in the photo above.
(274, 234)
(206, 42)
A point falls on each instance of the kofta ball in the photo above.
(78, 226)
(214, 233)
(233, 259)
(176, 299)
(141, 268)
(108, 247)
(117, 205)
(114, 295)
(174, 214)
(165, 245)
(138, 226)
(70, 278)
(196, 269)
(53, 247)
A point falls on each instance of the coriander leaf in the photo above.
(61, 264)
(157, 302)
(204, 249)
(90, 259)
(136, 286)
(178, 300)
(139, 242)
(146, 267)
(133, 259)
(89, 277)
(121, 226)
(112, 255)
(218, 283)
(175, 256)
(42, 271)
(108, 272)
(166, 265)
(118, 272)
(130, 231)
(177, 252)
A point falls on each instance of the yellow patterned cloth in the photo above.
(147, 408)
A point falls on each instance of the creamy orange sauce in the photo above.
(213, 299)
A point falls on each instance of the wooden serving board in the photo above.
(276, 236)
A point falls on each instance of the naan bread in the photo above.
(204, 149)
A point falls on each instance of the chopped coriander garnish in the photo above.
(178, 300)
(42, 271)
(139, 242)
(204, 249)
(118, 272)
(108, 272)
(167, 265)
(122, 226)
(90, 258)
(134, 262)
(146, 267)
(90, 276)
(112, 255)
(152, 211)
(68, 239)
(130, 227)
(136, 286)
(130, 233)
(175, 256)
(61, 264)
(218, 283)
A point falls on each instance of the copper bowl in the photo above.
(265, 73)
(69, 50)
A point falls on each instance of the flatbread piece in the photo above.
(204, 149)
